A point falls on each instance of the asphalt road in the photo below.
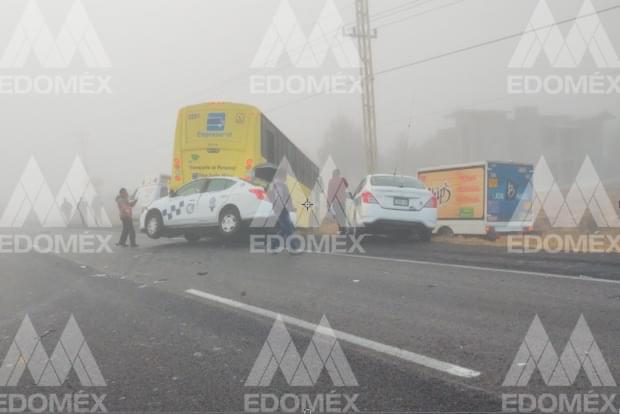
(176, 327)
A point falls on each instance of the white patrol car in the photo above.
(224, 204)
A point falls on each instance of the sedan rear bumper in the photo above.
(377, 218)
(385, 225)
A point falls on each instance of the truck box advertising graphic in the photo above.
(508, 192)
(460, 192)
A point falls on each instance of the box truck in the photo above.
(153, 188)
(483, 198)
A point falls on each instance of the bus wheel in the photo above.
(230, 222)
(154, 225)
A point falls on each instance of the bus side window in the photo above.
(268, 145)
(280, 149)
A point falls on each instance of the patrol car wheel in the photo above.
(230, 222)
(154, 225)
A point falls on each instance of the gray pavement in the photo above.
(163, 349)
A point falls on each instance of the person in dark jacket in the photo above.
(337, 199)
(125, 210)
(280, 197)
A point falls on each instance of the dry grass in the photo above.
(602, 242)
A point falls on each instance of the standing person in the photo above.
(66, 208)
(337, 199)
(124, 208)
(280, 197)
(82, 208)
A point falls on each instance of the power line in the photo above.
(490, 42)
(461, 50)
(332, 34)
(443, 6)
(382, 15)
(395, 10)
(241, 75)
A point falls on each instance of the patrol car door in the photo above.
(182, 209)
(216, 196)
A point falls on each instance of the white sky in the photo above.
(167, 54)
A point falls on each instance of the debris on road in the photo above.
(46, 333)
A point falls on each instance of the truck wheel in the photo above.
(492, 236)
(445, 232)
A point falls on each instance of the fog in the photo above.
(168, 54)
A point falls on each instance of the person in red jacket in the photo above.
(124, 208)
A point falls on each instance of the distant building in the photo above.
(521, 136)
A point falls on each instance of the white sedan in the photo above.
(394, 205)
(205, 205)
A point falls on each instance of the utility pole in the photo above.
(364, 34)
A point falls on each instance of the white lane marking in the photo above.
(353, 339)
(488, 269)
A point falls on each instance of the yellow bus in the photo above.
(233, 140)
